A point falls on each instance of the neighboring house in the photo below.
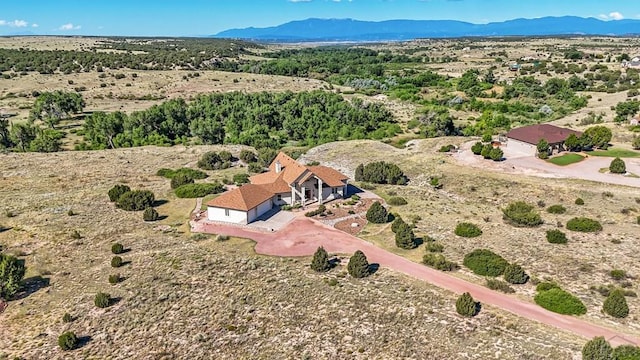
(286, 183)
(525, 139)
(634, 63)
(635, 121)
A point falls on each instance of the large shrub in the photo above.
(438, 262)
(12, 272)
(556, 237)
(358, 266)
(477, 148)
(380, 173)
(597, 349)
(320, 262)
(583, 224)
(499, 285)
(248, 156)
(242, 178)
(136, 200)
(467, 230)
(68, 341)
(515, 274)
(213, 161)
(191, 191)
(617, 166)
(150, 214)
(405, 239)
(485, 262)
(397, 201)
(520, 213)
(117, 191)
(466, 305)
(397, 222)
(616, 305)
(102, 300)
(560, 301)
(180, 179)
(377, 214)
(626, 352)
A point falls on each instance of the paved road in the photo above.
(303, 236)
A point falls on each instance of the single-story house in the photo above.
(525, 139)
(286, 183)
(635, 121)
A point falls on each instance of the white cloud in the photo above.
(615, 15)
(69, 26)
(14, 23)
(34, 25)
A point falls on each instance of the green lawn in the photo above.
(621, 153)
(566, 159)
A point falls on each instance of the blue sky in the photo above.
(205, 17)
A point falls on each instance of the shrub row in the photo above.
(317, 211)
(192, 173)
(190, 191)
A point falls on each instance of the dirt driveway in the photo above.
(303, 236)
(588, 169)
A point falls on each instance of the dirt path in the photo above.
(303, 236)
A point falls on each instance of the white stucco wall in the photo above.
(518, 146)
(285, 199)
(259, 210)
(327, 193)
(219, 214)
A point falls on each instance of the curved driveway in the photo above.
(303, 236)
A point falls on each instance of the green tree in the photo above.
(597, 349)
(636, 142)
(51, 107)
(22, 134)
(180, 179)
(102, 300)
(617, 166)
(68, 341)
(101, 128)
(626, 352)
(496, 154)
(466, 305)
(377, 214)
(150, 214)
(116, 191)
(46, 141)
(597, 136)
(320, 262)
(405, 239)
(136, 200)
(359, 176)
(12, 272)
(248, 156)
(5, 137)
(358, 266)
(543, 149)
(572, 143)
(397, 222)
(514, 274)
(477, 148)
(616, 305)
(486, 151)
(490, 78)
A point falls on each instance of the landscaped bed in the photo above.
(621, 153)
(566, 159)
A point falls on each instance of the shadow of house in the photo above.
(352, 190)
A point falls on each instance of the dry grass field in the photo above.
(187, 296)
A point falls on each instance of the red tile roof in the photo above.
(534, 133)
(244, 198)
(329, 176)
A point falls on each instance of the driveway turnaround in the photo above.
(303, 236)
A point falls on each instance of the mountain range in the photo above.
(355, 30)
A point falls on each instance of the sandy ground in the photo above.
(303, 236)
(517, 163)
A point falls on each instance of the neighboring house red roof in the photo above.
(244, 198)
(534, 133)
(264, 186)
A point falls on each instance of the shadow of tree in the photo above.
(32, 285)
(83, 341)
(373, 268)
(160, 202)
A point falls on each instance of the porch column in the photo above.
(293, 194)
(320, 192)
(304, 195)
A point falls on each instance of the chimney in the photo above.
(278, 167)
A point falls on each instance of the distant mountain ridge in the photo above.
(356, 30)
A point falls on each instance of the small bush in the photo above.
(180, 179)
(467, 230)
(68, 341)
(556, 237)
(67, 318)
(150, 214)
(499, 285)
(434, 247)
(439, 262)
(515, 274)
(241, 178)
(466, 305)
(556, 209)
(377, 214)
(117, 191)
(616, 305)
(320, 210)
(116, 262)
(477, 148)
(358, 266)
(114, 279)
(597, 349)
(617, 166)
(618, 274)
(397, 201)
(579, 201)
(547, 285)
(560, 301)
(75, 234)
(191, 191)
(320, 262)
(248, 156)
(117, 248)
(102, 300)
(583, 224)
(522, 214)
(136, 200)
(446, 148)
(485, 262)
(220, 237)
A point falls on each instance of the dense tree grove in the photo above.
(259, 120)
(51, 107)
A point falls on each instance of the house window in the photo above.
(279, 197)
(226, 212)
(334, 190)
